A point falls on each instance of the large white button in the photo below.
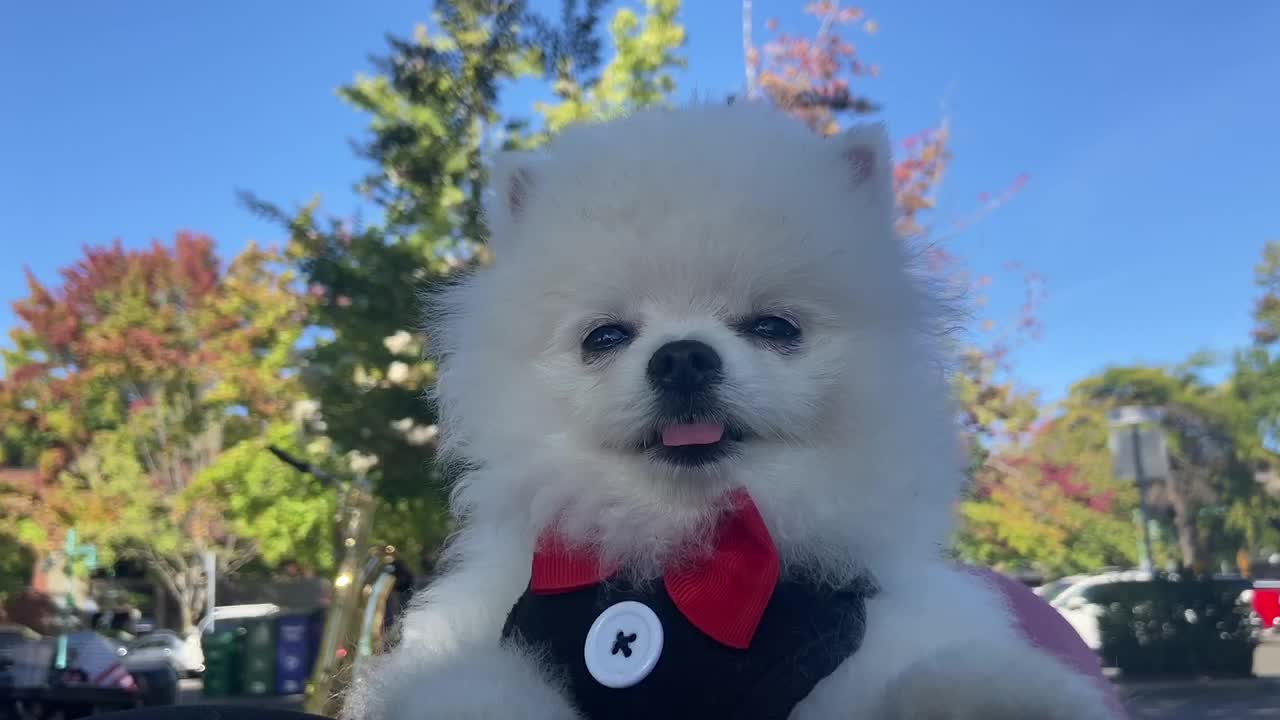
(623, 645)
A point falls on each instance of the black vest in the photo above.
(805, 633)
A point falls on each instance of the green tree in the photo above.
(1052, 503)
(1049, 503)
(1256, 380)
(129, 380)
(287, 514)
(646, 53)
(1266, 313)
(434, 120)
(16, 564)
(1255, 385)
(17, 557)
(433, 107)
(1209, 452)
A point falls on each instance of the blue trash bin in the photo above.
(294, 653)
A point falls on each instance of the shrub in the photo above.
(1196, 626)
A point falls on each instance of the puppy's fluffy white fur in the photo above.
(680, 224)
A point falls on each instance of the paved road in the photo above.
(1212, 699)
(1253, 699)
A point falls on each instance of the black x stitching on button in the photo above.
(622, 644)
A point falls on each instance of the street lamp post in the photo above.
(72, 551)
(1144, 517)
(1138, 453)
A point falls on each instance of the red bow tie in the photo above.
(724, 595)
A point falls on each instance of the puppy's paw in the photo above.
(496, 683)
(1019, 683)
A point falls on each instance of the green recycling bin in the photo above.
(259, 656)
(222, 663)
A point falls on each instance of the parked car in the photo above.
(100, 678)
(1053, 588)
(12, 635)
(165, 646)
(1266, 603)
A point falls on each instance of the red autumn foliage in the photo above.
(813, 80)
(1065, 477)
(124, 327)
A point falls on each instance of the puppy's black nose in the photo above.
(684, 367)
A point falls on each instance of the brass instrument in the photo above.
(347, 634)
(353, 627)
(372, 639)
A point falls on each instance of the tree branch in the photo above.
(748, 49)
(159, 567)
(234, 563)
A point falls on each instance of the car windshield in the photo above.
(1052, 590)
(10, 638)
(1079, 589)
(155, 641)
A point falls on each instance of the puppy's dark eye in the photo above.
(605, 338)
(772, 327)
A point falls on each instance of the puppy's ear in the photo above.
(513, 182)
(866, 154)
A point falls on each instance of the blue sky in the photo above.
(1147, 127)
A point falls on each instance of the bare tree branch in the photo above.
(827, 20)
(748, 49)
(238, 561)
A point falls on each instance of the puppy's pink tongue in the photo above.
(692, 434)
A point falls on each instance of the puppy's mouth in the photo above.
(693, 443)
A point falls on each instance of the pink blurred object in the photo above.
(1046, 629)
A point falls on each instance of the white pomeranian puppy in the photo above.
(695, 315)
